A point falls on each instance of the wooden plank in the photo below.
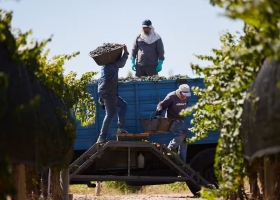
(132, 136)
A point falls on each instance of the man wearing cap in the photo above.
(147, 52)
(174, 103)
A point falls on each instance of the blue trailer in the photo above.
(142, 98)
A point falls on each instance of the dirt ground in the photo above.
(136, 197)
(176, 191)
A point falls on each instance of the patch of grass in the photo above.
(177, 187)
(81, 189)
(107, 187)
(122, 187)
(117, 187)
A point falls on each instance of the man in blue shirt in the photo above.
(108, 93)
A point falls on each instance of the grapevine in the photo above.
(49, 72)
(234, 67)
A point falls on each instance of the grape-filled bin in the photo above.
(156, 125)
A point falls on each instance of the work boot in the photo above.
(101, 140)
(173, 150)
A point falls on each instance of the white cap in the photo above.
(185, 90)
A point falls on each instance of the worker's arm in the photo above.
(160, 50)
(134, 48)
(121, 62)
(163, 105)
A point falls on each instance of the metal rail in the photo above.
(128, 178)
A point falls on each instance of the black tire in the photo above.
(203, 162)
(194, 188)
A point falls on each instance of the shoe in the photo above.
(173, 150)
(101, 140)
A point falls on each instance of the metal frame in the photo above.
(161, 151)
(128, 178)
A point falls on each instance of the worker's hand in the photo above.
(158, 113)
(159, 66)
(125, 48)
(133, 64)
(101, 103)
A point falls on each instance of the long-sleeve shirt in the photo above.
(110, 75)
(148, 54)
(174, 105)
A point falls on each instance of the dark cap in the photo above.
(146, 23)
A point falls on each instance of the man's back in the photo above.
(109, 75)
(109, 78)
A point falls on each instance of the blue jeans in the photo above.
(180, 131)
(112, 102)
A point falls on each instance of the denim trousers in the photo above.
(180, 131)
(112, 103)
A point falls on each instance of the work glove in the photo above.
(101, 103)
(133, 64)
(159, 66)
(158, 113)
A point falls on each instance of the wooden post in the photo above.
(56, 184)
(268, 179)
(71, 197)
(19, 181)
(49, 182)
(65, 183)
(45, 182)
(98, 188)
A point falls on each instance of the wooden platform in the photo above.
(132, 136)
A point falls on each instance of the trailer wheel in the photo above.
(203, 162)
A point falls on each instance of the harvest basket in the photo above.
(108, 58)
(156, 125)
